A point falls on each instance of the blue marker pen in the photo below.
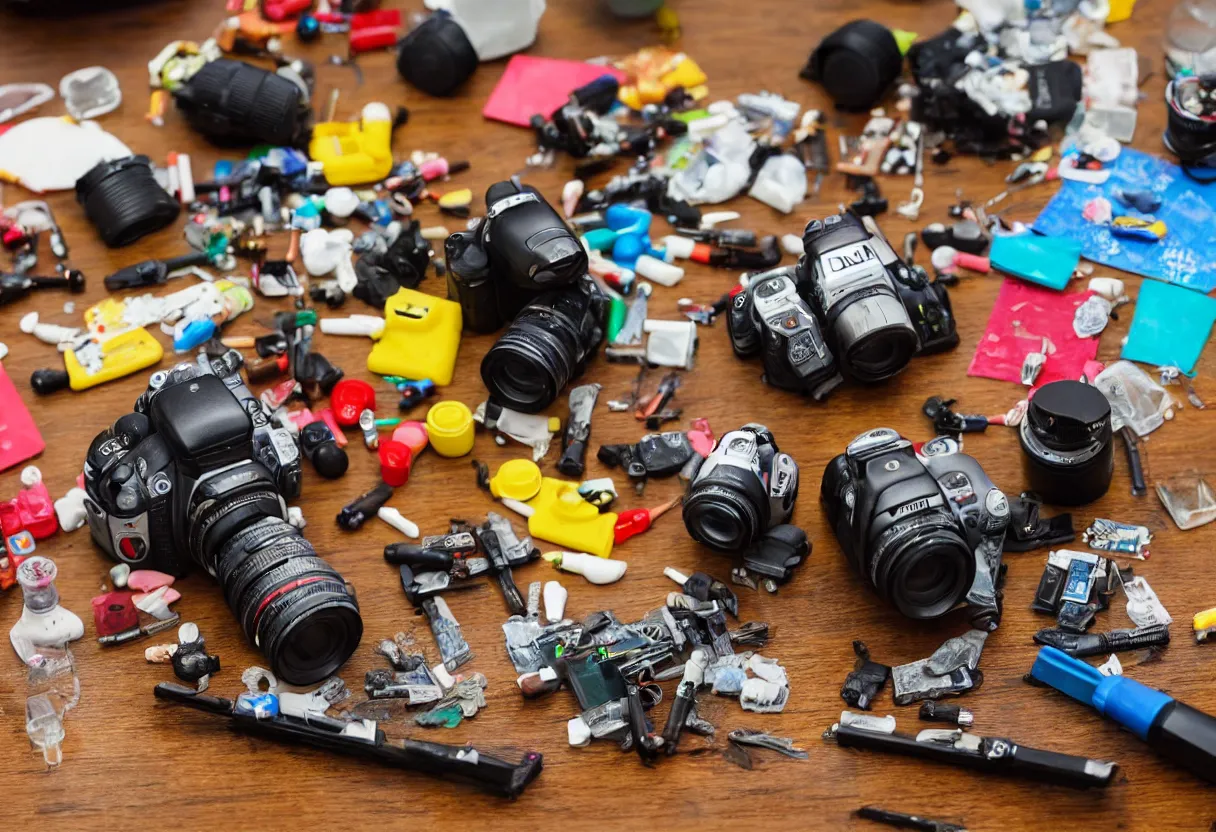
(1177, 732)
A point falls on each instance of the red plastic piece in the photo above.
(531, 85)
(1023, 315)
(701, 436)
(19, 436)
(349, 398)
(327, 416)
(372, 38)
(637, 520)
(114, 613)
(380, 17)
(31, 510)
(279, 10)
(395, 460)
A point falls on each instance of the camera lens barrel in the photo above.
(124, 201)
(543, 349)
(1067, 443)
(232, 101)
(924, 569)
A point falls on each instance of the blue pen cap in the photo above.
(1129, 703)
(1126, 701)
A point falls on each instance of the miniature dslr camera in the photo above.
(197, 475)
(745, 487)
(925, 530)
(851, 309)
(522, 265)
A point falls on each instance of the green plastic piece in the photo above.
(448, 716)
(904, 39)
(617, 310)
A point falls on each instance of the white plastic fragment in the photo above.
(119, 574)
(295, 516)
(671, 343)
(394, 518)
(868, 722)
(770, 670)
(578, 733)
(70, 511)
(652, 268)
(441, 675)
(763, 697)
(31, 475)
(792, 244)
(555, 601)
(596, 570)
(1111, 667)
(368, 326)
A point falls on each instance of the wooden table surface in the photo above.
(132, 762)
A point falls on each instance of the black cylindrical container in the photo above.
(124, 201)
(234, 102)
(437, 57)
(1066, 437)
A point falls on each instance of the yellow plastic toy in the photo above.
(100, 361)
(450, 428)
(420, 339)
(1204, 625)
(354, 154)
(656, 72)
(560, 515)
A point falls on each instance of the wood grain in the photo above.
(129, 761)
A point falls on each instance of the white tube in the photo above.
(652, 268)
(368, 326)
(679, 247)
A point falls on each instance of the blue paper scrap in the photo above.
(1170, 327)
(1188, 210)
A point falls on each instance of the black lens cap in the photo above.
(856, 64)
(437, 57)
(1068, 414)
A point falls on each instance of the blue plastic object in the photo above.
(1170, 327)
(632, 229)
(1048, 261)
(194, 334)
(1126, 701)
(1187, 209)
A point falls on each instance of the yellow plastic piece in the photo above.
(450, 428)
(1205, 620)
(564, 518)
(1043, 154)
(517, 479)
(354, 154)
(1120, 10)
(457, 199)
(684, 74)
(126, 353)
(420, 339)
(560, 515)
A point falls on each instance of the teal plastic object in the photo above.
(601, 239)
(1170, 327)
(1047, 261)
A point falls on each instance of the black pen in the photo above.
(993, 755)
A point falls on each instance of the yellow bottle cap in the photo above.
(517, 479)
(450, 427)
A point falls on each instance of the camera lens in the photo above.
(542, 350)
(1067, 442)
(875, 337)
(290, 603)
(924, 568)
(726, 516)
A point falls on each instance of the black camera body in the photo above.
(193, 478)
(851, 309)
(522, 265)
(744, 488)
(925, 531)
